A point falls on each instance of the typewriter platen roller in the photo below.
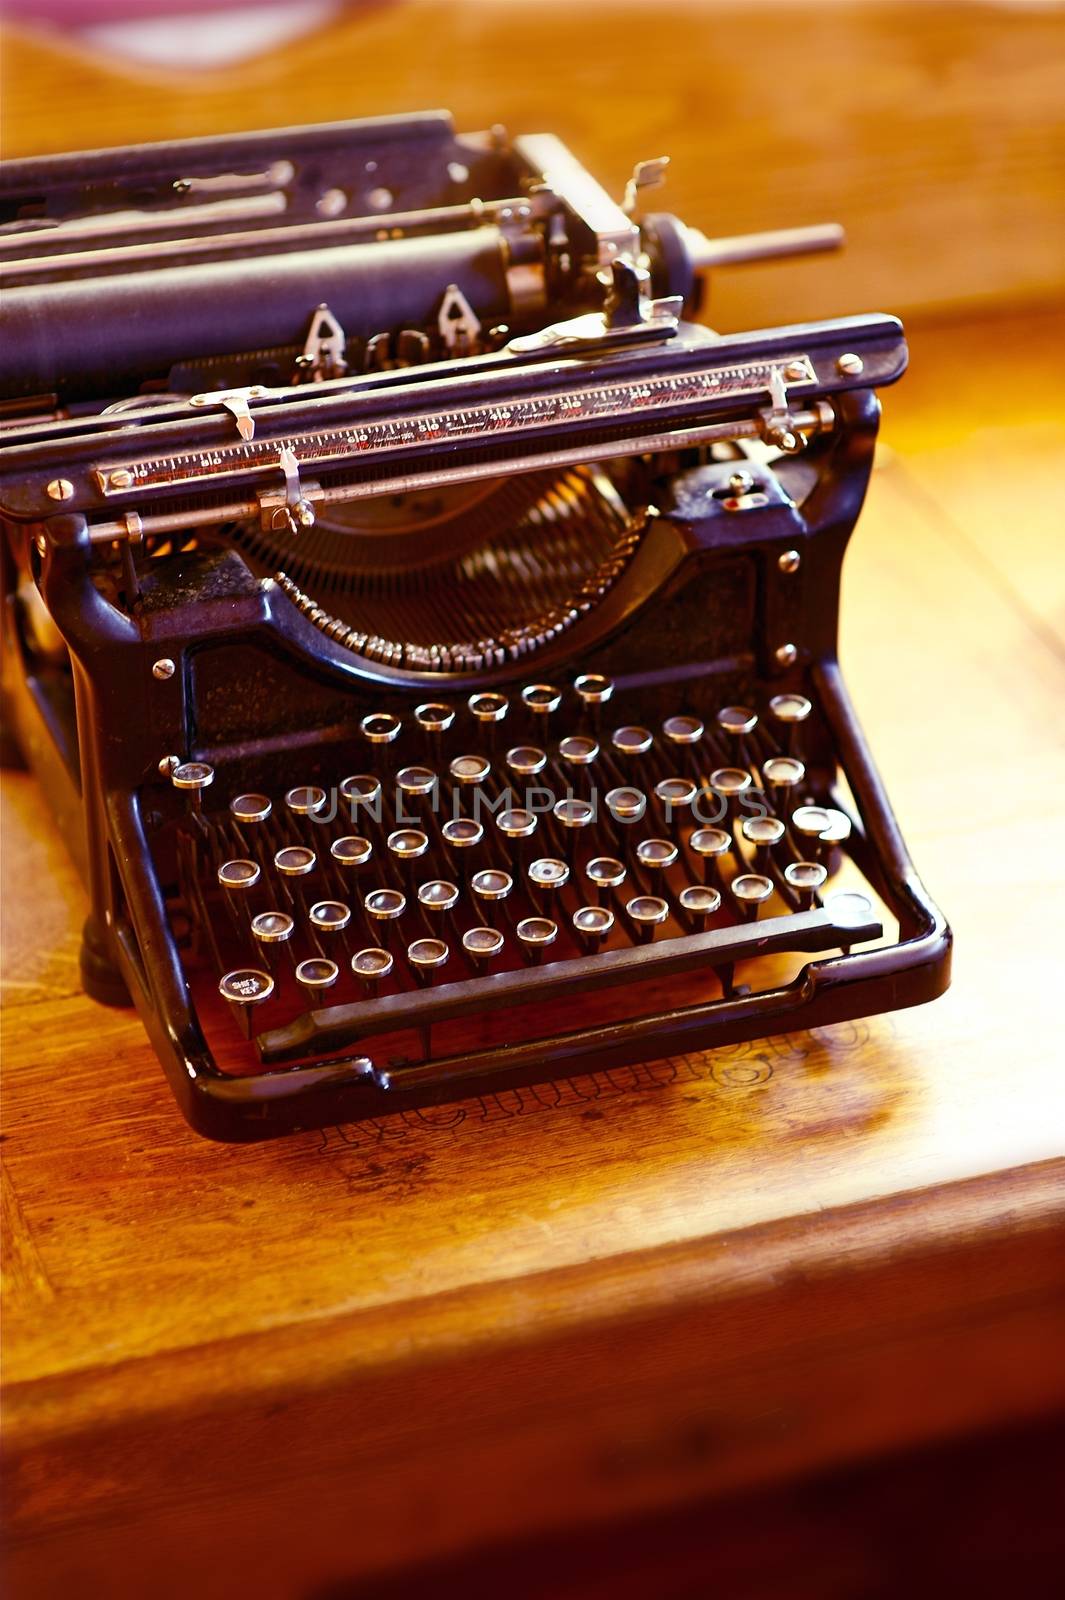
(426, 628)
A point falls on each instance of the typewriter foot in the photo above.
(100, 978)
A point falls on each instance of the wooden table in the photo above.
(537, 1310)
(281, 1368)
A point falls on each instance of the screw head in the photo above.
(851, 365)
(163, 668)
(60, 489)
(789, 561)
(120, 478)
(795, 371)
(786, 655)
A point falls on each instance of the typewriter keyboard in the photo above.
(475, 872)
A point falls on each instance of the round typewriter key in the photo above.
(710, 845)
(631, 741)
(593, 688)
(272, 927)
(371, 965)
(462, 833)
(407, 844)
(682, 730)
(764, 833)
(380, 727)
(751, 890)
(578, 750)
(385, 905)
(790, 708)
(626, 805)
(415, 781)
(730, 782)
(810, 823)
(655, 855)
(351, 850)
(737, 721)
(806, 878)
(604, 873)
(361, 789)
(517, 823)
(547, 876)
(488, 707)
(700, 901)
(192, 775)
(425, 955)
(762, 830)
(295, 860)
(317, 973)
(573, 814)
(541, 698)
(491, 884)
(470, 769)
(434, 717)
(238, 874)
(438, 895)
(482, 945)
(839, 827)
(536, 933)
(783, 775)
(592, 924)
(250, 808)
(675, 794)
(330, 915)
(525, 760)
(305, 799)
(246, 986)
(648, 912)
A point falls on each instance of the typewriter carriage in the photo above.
(198, 645)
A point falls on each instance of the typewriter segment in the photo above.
(429, 628)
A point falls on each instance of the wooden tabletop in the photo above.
(284, 1367)
(531, 1310)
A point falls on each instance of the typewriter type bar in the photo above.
(428, 626)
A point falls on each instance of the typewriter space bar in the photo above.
(335, 1027)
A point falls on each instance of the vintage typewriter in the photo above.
(425, 633)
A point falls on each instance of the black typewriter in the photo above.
(425, 631)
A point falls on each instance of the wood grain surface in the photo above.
(285, 1367)
(528, 1311)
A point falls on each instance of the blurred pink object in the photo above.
(194, 35)
(84, 13)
